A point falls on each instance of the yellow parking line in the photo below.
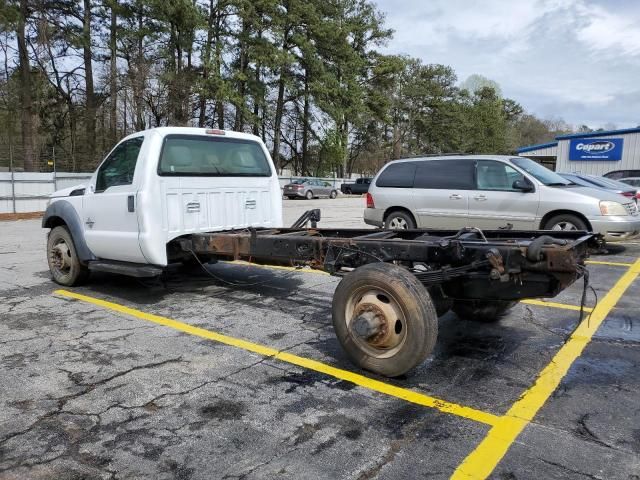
(542, 303)
(481, 462)
(611, 264)
(360, 380)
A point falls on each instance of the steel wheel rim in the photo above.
(60, 257)
(564, 226)
(378, 302)
(398, 223)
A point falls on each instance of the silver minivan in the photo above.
(491, 192)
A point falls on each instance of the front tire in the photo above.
(399, 220)
(309, 195)
(486, 311)
(565, 222)
(63, 260)
(333, 194)
(384, 319)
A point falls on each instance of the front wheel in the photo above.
(486, 311)
(566, 222)
(63, 260)
(333, 194)
(384, 319)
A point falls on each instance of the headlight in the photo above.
(612, 208)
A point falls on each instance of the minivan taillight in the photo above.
(370, 203)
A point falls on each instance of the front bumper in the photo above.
(616, 228)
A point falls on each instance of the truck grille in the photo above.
(631, 208)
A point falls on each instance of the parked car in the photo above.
(619, 174)
(607, 184)
(309, 188)
(492, 192)
(360, 186)
(633, 181)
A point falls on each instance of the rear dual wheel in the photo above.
(384, 319)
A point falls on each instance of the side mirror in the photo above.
(522, 185)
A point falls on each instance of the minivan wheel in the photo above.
(565, 222)
(399, 221)
(309, 195)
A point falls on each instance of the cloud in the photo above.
(563, 58)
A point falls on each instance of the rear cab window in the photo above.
(197, 155)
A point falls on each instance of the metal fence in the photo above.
(22, 192)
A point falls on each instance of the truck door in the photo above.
(495, 203)
(109, 205)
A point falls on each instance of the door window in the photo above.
(493, 175)
(398, 175)
(119, 167)
(445, 174)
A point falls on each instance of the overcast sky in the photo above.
(574, 59)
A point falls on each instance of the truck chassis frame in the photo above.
(397, 282)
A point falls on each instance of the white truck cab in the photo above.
(156, 186)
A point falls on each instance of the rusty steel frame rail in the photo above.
(496, 264)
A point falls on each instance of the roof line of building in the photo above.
(529, 148)
(598, 134)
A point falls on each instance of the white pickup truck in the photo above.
(154, 187)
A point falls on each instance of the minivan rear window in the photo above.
(197, 155)
(445, 174)
(397, 175)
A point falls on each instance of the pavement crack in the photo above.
(567, 469)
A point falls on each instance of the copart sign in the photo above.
(595, 149)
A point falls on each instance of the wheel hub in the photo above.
(61, 256)
(377, 322)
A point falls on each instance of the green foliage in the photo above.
(307, 76)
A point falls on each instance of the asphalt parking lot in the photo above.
(198, 378)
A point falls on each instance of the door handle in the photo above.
(455, 196)
(193, 207)
(131, 206)
(480, 198)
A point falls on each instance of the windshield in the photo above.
(543, 174)
(197, 155)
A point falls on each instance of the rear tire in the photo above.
(565, 222)
(486, 311)
(62, 257)
(399, 220)
(309, 195)
(396, 301)
(348, 191)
